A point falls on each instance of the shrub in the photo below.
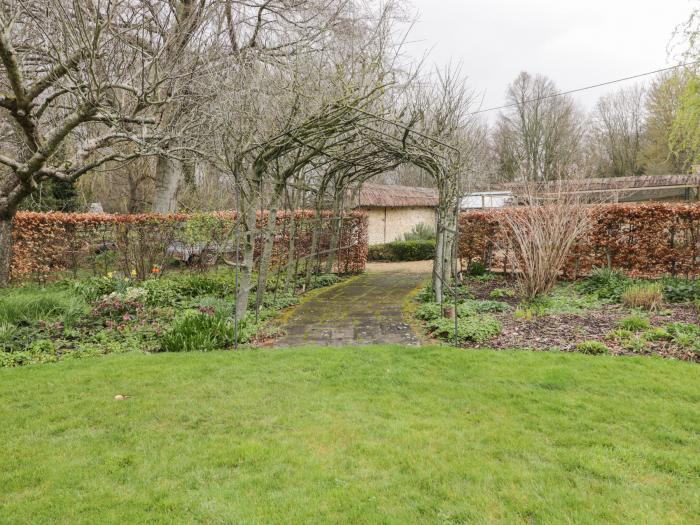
(658, 334)
(501, 293)
(472, 306)
(619, 335)
(531, 309)
(173, 290)
(685, 335)
(198, 331)
(476, 269)
(429, 311)
(634, 323)
(606, 283)
(592, 348)
(475, 329)
(420, 232)
(403, 251)
(426, 294)
(326, 279)
(647, 296)
(677, 290)
(636, 343)
(93, 288)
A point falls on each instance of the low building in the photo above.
(487, 199)
(675, 187)
(395, 210)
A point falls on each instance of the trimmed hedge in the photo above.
(403, 251)
(51, 243)
(643, 239)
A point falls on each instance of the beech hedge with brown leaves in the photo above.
(56, 244)
(643, 239)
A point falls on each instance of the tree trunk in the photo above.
(245, 280)
(264, 266)
(336, 226)
(169, 175)
(437, 262)
(291, 255)
(5, 249)
(315, 237)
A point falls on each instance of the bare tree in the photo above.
(618, 132)
(245, 32)
(538, 138)
(83, 84)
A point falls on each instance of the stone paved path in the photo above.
(367, 310)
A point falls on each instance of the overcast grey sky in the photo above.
(575, 43)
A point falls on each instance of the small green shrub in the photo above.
(473, 306)
(679, 290)
(531, 310)
(403, 251)
(213, 305)
(198, 331)
(502, 293)
(637, 343)
(685, 335)
(658, 334)
(426, 294)
(420, 232)
(606, 283)
(326, 279)
(485, 277)
(475, 329)
(592, 348)
(476, 268)
(429, 311)
(93, 288)
(647, 296)
(280, 302)
(619, 335)
(634, 323)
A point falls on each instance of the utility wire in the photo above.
(562, 93)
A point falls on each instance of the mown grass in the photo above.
(352, 435)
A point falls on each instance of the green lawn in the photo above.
(353, 435)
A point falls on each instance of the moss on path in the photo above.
(365, 310)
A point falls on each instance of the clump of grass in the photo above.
(685, 335)
(636, 343)
(634, 323)
(30, 304)
(592, 348)
(606, 283)
(647, 296)
(198, 331)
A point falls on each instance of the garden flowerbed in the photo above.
(187, 311)
(571, 320)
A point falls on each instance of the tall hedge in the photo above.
(46, 244)
(645, 239)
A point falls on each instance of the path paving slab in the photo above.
(367, 310)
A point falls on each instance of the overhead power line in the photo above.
(602, 84)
